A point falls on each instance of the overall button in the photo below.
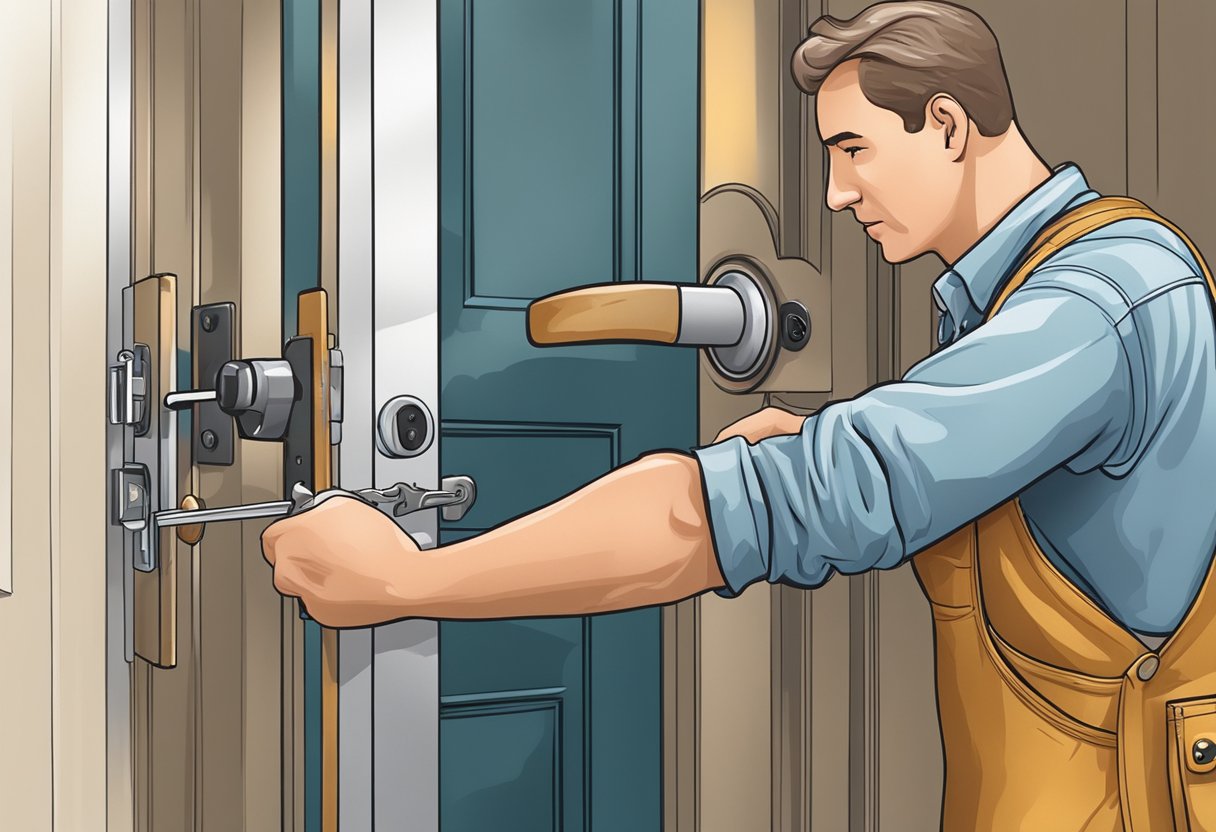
(1204, 751)
(1148, 668)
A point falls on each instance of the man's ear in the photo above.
(946, 115)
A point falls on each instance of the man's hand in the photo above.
(637, 536)
(347, 562)
(771, 421)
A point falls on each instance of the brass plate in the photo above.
(154, 318)
(313, 318)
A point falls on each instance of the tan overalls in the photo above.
(1054, 716)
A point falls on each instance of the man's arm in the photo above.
(865, 483)
(872, 480)
(637, 536)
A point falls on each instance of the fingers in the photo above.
(270, 540)
(286, 583)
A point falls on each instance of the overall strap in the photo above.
(1080, 221)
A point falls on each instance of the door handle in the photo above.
(659, 313)
(733, 318)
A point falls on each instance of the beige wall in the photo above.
(54, 623)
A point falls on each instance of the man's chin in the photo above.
(898, 251)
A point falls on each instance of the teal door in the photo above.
(569, 155)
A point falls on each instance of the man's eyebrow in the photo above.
(838, 138)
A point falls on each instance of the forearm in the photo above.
(636, 537)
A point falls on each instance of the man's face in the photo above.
(904, 187)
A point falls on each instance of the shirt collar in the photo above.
(964, 292)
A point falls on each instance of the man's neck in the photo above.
(1001, 171)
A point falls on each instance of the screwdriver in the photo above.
(251, 511)
(397, 499)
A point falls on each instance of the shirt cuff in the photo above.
(738, 517)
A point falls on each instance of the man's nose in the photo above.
(839, 195)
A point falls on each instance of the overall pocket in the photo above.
(1192, 760)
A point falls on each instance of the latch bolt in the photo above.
(129, 389)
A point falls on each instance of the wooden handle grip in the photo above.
(610, 312)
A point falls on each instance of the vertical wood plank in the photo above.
(266, 781)
(219, 556)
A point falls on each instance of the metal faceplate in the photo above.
(152, 305)
(212, 339)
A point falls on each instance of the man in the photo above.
(1046, 467)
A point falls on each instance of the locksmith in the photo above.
(1048, 470)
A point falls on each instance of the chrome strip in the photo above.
(355, 741)
(120, 634)
(405, 59)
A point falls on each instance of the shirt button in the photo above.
(1148, 668)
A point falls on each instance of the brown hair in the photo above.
(911, 51)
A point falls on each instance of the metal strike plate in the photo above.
(212, 340)
(153, 304)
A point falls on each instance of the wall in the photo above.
(53, 771)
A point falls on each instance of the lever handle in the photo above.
(659, 313)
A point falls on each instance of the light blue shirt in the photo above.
(1092, 394)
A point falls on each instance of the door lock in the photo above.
(295, 399)
(257, 393)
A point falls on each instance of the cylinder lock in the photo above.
(404, 428)
(258, 393)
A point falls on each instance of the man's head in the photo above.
(907, 95)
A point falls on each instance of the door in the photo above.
(568, 135)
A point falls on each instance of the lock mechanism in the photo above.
(295, 399)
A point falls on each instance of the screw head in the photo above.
(209, 440)
(795, 328)
(795, 325)
(208, 322)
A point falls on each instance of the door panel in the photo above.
(568, 135)
(540, 135)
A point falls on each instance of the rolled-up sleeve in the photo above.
(872, 480)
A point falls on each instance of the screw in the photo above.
(795, 325)
(795, 328)
(210, 440)
(208, 322)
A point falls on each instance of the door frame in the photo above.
(388, 244)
